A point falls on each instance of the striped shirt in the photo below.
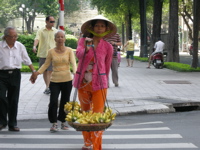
(116, 39)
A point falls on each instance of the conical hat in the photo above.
(87, 25)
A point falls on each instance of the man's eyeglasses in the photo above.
(52, 21)
(13, 37)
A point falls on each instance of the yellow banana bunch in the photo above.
(73, 116)
(68, 106)
(113, 116)
(82, 121)
(108, 110)
(91, 117)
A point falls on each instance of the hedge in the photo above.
(28, 40)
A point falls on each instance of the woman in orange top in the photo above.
(61, 79)
(91, 79)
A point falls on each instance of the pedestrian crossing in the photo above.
(148, 135)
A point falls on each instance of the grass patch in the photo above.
(172, 65)
(143, 59)
(27, 69)
(180, 67)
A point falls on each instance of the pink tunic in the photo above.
(101, 67)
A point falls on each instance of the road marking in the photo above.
(105, 146)
(112, 129)
(54, 136)
(140, 129)
(136, 124)
(143, 123)
(28, 134)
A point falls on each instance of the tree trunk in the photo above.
(196, 13)
(173, 48)
(123, 34)
(28, 24)
(129, 25)
(157, 21)
(143, 25)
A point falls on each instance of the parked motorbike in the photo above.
(157, 60)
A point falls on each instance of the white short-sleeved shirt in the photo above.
(12, 58)
(159, 47)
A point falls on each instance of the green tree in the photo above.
(46, 7)
(196, 23)
(7, 12)
(143, 25)
(186, 11)
(71, 6)
(157, 21)
(173, 49)
(120, 12)
(34, 7)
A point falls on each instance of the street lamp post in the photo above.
(22, 10)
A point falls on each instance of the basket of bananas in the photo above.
(90, 121)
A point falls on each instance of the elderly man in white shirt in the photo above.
(12, 54)
(158, 47)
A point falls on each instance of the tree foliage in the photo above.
(118, 9)
(11, 9)
(186, 11)
(7, 12)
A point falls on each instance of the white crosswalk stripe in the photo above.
(105, 146)
(144, 136)
(138, 129)
(73, 140)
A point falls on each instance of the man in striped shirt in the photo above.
(115, 41)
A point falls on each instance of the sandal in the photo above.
(54, 128)
(64, 127)
(87, 147)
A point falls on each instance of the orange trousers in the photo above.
(95, 101)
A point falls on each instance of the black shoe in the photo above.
(2, 127)
(14, 129)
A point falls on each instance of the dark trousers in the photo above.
(56, 88)
(9, 96)
(114, 69)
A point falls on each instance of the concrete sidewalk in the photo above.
(140, 90)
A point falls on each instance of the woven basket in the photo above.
(90, 127)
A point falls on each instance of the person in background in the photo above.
(129, 52)
(115, 41)
(12, 54)
(45, 39)
(61, 79)
(118, 56)
(158, 48)
(91, 79)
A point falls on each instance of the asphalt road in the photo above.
(174, 131)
